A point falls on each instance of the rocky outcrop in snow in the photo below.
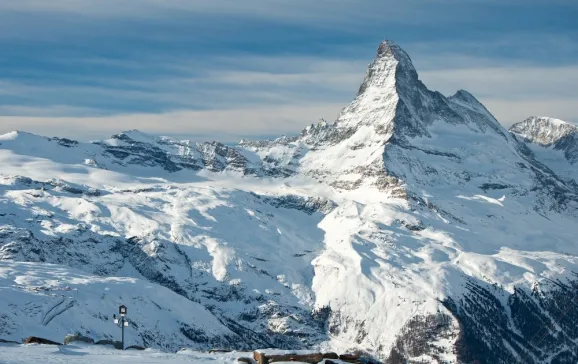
(542, 130)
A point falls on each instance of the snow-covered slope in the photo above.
(36, 295)
(95, 354)
(414, 227)
(553, 141)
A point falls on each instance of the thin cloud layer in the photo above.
(89, 68)
(224, 125)
(330, 11)
(511, 94)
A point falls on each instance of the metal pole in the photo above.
(122, 329)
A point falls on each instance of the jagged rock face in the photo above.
(553, 142)
(414, 227)
(522, 327)
(550, 133)
(543, 131)
(381, 139)
(135, 148)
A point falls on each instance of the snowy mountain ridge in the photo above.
(553, 141)
(543, 130)
(414, 227)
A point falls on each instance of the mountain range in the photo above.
(415, 228)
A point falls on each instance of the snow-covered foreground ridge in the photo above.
(92, 354)
(415, 227)
(86, 354)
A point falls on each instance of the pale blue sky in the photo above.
(224, 69)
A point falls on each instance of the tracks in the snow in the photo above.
(63, 305)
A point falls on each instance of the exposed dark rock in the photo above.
(308, 205)
(494, 186)
(8, 342)
(330, 356)
(135, 347)
(246, 360)
(418, 336)
(39, 340)
(115, 344)
(528, 330)
(264, 358)
(350, 358)
(68, 143)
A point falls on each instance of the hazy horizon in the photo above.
(226, 71)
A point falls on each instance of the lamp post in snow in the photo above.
(122, 322)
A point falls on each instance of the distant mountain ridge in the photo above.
(554, 141)
(414, 227)
(543, 130)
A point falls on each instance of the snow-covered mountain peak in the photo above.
(393, 101)
(9, 136)
(464, 97)
(374, 109)
(394, 112)
(391, 63)
(390, 49)
(543, 130)
(554, 142)
(18, 134)
(134, 135)
(33, 144)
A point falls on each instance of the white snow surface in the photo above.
(37, 294)
(452, 197)
(93, 354)
(96, 354)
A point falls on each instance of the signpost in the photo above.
(123, 321)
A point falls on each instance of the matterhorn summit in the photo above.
(414, 228)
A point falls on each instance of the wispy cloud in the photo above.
(514, 93)
(267, 67)
(511, 49)
(509, 82)
(288, 94)
(226, 84)
(224, 125)
(295, 10)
